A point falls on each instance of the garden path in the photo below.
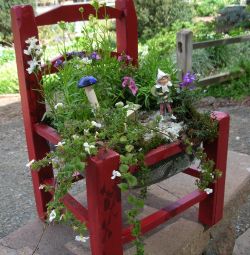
(17, 203)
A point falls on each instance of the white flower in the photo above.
(82, 239)
(86, 131)
(115, 174)
(173, 117)
(32, 40)
(95, 124)
(87, 147)
(42, 186)
(87, 61)
(27, 52)
(33, 64)
(208, 191)
(212, 175)
(60, 144)
(30, 163)
(119, 105)
(58, 105)
(75, 137)
(52, 215)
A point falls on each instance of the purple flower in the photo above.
(95, 56)
(72, 54)
(130, 83)
(58, 63)
(125, 58)
(86, 81)
(188, 79)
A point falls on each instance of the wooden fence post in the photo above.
(184, 52)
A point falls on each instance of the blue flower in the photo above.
(95, 56)
(58, 63)
(73, 54)
(86, 81)
(188, 79)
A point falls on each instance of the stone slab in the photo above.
(242, 244)
(181, 235)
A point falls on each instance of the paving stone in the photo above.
(242, 244)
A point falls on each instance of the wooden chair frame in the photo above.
(103, 215)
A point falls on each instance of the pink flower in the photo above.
(129, 82)
(125, 58)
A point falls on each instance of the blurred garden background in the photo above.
(159, 22)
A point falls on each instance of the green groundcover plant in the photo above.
(87, 126)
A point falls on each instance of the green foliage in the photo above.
(154, 15)
(8, 78)
(210, 7)
(233, 16)
(6, 55)
(5, 23)
(235, 89)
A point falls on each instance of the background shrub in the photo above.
(5, 23)
(154, 15)
(211, 7)
(233, 16)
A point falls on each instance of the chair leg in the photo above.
(104, 205)
(211, 209)
(38, 150)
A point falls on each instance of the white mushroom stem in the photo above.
(90, 93)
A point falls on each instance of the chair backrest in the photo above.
(25, 25)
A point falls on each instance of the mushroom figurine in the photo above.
(87, 83)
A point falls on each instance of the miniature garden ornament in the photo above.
(87, 83)
(161, 92)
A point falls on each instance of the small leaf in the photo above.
(123, 186)
(129, 148)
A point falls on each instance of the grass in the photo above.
(8, 78)
(236, 89)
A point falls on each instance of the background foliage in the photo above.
(154, 15)
(5, 23)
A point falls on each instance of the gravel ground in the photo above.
(17, 203)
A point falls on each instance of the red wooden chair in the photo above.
(103, 215)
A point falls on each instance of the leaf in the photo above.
(129, 148)
(132, 181)
(124, 168)
(123, 186)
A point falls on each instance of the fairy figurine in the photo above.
(161, 92)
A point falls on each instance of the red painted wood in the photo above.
(163, 152)
(154, 220)
(23, 27)
(126, 30)
(211, 209)
(192, 172)
(71, 13)
(79, 211)
(47, 132)
(104, 204)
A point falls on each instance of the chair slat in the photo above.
(71, 13)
